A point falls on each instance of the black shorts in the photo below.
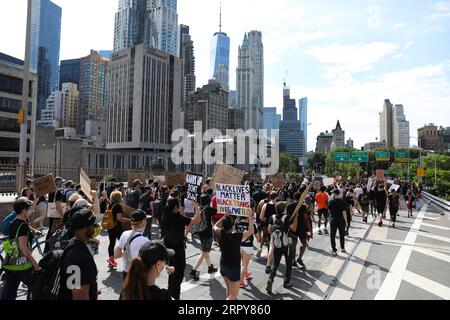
(206, 244)
(380, 209)
(234, 275)
(323, 212)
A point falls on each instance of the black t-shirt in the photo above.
(336, 207)
(241, 227)
(144, 202)
(178, 223)
(159, 294)
(132, 198)
(230, 246)
(259, 195)
(394, 201)
(380, 198)
(302, 228)
(103, 206)
(55, 196)
(23, 231)
(270, 211)
(80, 256)
(208, 213)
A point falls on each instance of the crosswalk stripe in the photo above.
(435, 237)
(433, 254)
(428, 285)
(434, 226)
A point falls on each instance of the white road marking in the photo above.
(433, 254)
(434, 226)
(435, 237)
(428, 285)
(391, 283)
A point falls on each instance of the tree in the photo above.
(288, 163)
(317, 162)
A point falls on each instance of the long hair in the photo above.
(135, 287)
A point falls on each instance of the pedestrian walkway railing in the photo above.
(441, 203)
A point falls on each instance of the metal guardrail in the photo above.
(437, 201)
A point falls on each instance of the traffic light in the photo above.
(20, 116)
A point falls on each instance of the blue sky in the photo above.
(347, 56)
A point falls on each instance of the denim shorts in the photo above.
(232, 274)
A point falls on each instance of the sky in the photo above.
(346, 56)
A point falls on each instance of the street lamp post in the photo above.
(419, 143)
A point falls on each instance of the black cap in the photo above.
(336, 191)
(138, 215)
(83, 218)
(154, 251)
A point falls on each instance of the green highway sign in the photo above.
(360, 157)
(392, 172)
(383, 156)
(342, 157)
(402, 156)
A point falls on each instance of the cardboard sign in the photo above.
(390, 181)
(380, 175)
(328, 182)
(278, 181)
(93, 184)
(85, 183)
(227, 175)
(143, 176)
(369, 184)
(44, 185)
(194, 186)
(174, 179)
(161, 180)
(394, 187)
(233, 199)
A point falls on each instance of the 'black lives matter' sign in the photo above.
(194, 186)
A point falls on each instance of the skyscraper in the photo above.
(44, 48)
(70, 104)
(324, 142)
(187, 56)
(400, 127)
(69, 72)
(291, 138)
(303, 117)
(250, 80)
(51, 115)
(220, 56)
(271, 120)
(154, 22)
(94, 88)
(386, 128)
(338, 136)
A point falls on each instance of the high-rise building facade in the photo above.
(11, 80)
(291, 138)
(44, 48)
(70, 106)
(400, 127)
(272, 120)
(69, 72)
(371, 146)
(94, 88)
(350, 143)
(235, 119)
(220, 57)
(386, 126)
(428, 137)
(338, 136)
(51, 115)
(250, 80)
(232, 99)
(144, 100)
(303, 117)
(188, 59)
(324, 142)
(153, 22)
(444, 138)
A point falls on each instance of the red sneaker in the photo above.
(243, 284)
(248, 276)
(112, 263)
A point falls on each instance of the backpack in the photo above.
(60, 239)
(282, 195)
(365, 200)
(127, 249)
(202, 226)
(109, 222)
(46, 283)
(279, 237)
(14, 258)
(6, 223)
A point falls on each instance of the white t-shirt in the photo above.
(188, 206)
(358, 192)
(134, 247)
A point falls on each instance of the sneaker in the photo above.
(248, 276)
(334, 252)
(243, 284)
(112, 263)
(269, 286)
(380, 224)
(320, 233)
(194, 275)
(294, 264)
(211, 269)
(287, 285)
(300, 262)
(365, 220)
(393, 225)
(343, 251)
(346, 233)
(326, 231)
(267, 269)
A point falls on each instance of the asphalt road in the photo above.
(410, 262)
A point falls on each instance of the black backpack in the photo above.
(46, 283)
(365, 201)
(203, 225)
(60, 239)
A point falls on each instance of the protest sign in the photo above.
(278, 180)
(85, 183)
(233, 199)
(44, 185)
(161, 180)
(394, 187)
(143, 176)
(227, 175)
(174, 179)
(380, 175)
(194, 186)
(369, 184)
(328, 182)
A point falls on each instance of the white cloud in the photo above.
(374, 17)
(409, 44)
(399, 25)
(441, 10)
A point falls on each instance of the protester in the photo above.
(69, 190)
(230, 246)
(322, 209)
(78, 258)
(174, 224)
(133, 195)
(104, 201)
(338, 220)
(116, 232)
(349, 199)
(267, 212)
(140, 283)
(41, 210)
(364, 202)
(55, 211)
(131, 241)
(394, 205)
(206, 237)
(358, 192)
(19, 262)
(381, 203)
(410, 200)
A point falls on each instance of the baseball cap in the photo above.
(308, 200)
(82, 203)
(154, 251)
(83, 218)
(22, 203)
(336, 191)
(138, 215)
(59, 179)
(137, 182)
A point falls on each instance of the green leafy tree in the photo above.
(288, 163)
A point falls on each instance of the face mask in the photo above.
(140, 230)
